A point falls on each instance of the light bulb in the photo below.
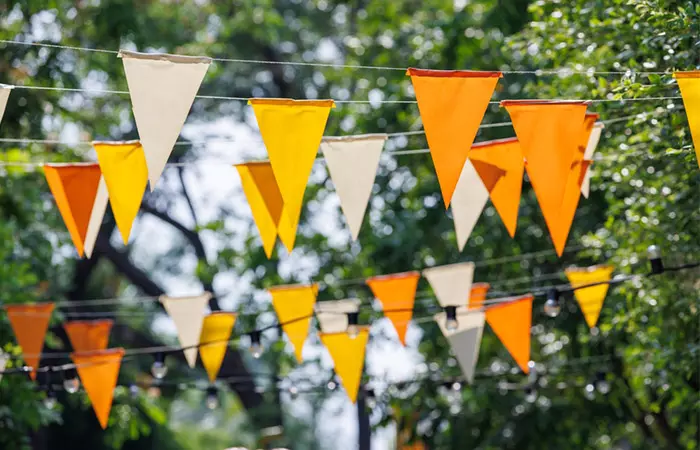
(371, 401)
(353, 321)
(212, 400)
(653, 252)
(552, 307)
(654, 255)
(601, 383)
(256, 347)
(456, 386)
(159, 369)
(530, 395)
(71, 385)
(332, 385)
(451, 323)
(589, 391)
(50, 399)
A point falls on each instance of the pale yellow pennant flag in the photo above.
(689, 83)
(294, 305)
(213, 342)
(348, 355)
(590, 299)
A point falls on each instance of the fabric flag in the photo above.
(98, 372)
(162, 88)
(451, 283)
(466, 339)
(98, 212)
(348, 356)
(352, 163)
(126, 175)
(29, 322)
(591, 147)
(88, 335)
(511, 321)
(452, 104)
(216, 332)
(506, 155)
(74, 188)
(292, 132)
(187, 314)
(4, 96)
(332, 315)
(689, 84)
(477, 296)
(4, 357)
(590, 299)
(294, 305)
(397, 293)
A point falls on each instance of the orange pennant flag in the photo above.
(590, 299)
(216, 332)
(98, 373)
(511, 322)
(348, 355)
(29, 323)
(477, 296)
(452, 104)
(74, 187)
(505, 194)
(689, 84)
(88, 335)
(294, 305)
(397, 293)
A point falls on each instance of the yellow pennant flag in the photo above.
(294, 306)
(216, 332)
(348, 355)
(590, 299)
(123, 166)
(292, 132)
(689, 84)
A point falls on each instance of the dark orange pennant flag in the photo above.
(511, 322)
(477, 296)
(88, 335)
(98, 372)
(29, 323)
(397, 293)
(452, 105)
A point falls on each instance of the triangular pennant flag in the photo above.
(505, 194)
(590, 299)
(126, 175)
(98, 373)
(187, 314)
(88, 335)
(352, 163)
(477, 296)
(397, 293)
(452, 105)
(332, 315)
(689, 84)
(216, 333)
(162, 88)
(287, 230)
(98, 212)
(4, 357)
(348, 355)
(466, 339)
(452, 283)
(74, 187)
(294, 305)
(4, 96)
(292, 132)
(511, 321)
(29, 323)
(593, 140)
(468, 202)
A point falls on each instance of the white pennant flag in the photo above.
(588, 156)
(96, 216)
(4, 357)
(162, 88)
(466, 339)
(333, 315)
(452, 283)
(4, 96)
(468, 201)
(352, 162)
(188, 315)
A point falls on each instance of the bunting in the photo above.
(452, 283)
(689, 84)
(332, 315)
(294, 306)
(348, 354)
(452, 105)
(29, 322)
(187, 314)
(98, 372)
(352, 163)
(88, 335)
(590, 299)
(477, 296)
(511, 321)
(162, 88)
(4, 96)
(466, 339)
(99, 208)
(216, 332)
(397, 295)
(593, 141)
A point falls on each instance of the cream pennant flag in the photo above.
(332, 315)
(466, 339)
(352, 163)
(593, 140)
(452, 283)
(188, 315)
(162, 88)
(468, 201)
(4, 96)
(98, 212)
(4, 357)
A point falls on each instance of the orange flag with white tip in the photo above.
(348, 355)
(294, 305)
(590, 299)
(511, 321)
(452, 104)
(689, 84)
(98, 373)
(29, 322)
(397, 293)
(88, 335)
(213, 342)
